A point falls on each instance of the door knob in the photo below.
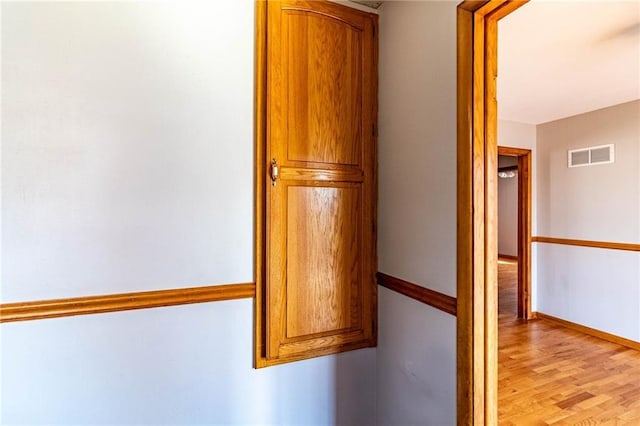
(274, 172)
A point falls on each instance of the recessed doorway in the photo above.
(520, 169)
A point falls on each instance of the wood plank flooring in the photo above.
(551, 375)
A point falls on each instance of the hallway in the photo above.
(549, 374)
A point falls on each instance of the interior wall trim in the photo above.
(86, 305)
(427, 296)
(587, 243)
(477, 204)
(589, 331)
(53, 308)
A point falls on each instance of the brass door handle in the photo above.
(274, 172)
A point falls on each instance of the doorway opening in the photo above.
(477, 260)
(522, 169)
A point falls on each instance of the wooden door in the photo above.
(320, 190)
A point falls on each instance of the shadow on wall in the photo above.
(354, 388)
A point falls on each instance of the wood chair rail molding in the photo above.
(86, 305)
(587, 243)
(427, 296)
(33, 310)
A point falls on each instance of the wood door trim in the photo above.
(588, 330)
(513, 152)
(524, 227)
(476, 209)
(424, 295)
(260, 143)
(587, 243)
(54, 308)
(469, 391)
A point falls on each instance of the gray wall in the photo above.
(595, 287)
(127, 151)
(417, 210)
(519, 135)
(514, 135)
(127, 147)
(507, 209)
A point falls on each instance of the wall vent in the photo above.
(602, 154)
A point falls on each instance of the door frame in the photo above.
(524, 227)
(477, 248)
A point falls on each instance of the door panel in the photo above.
(325, 89)
(318, 290)
(323, 267)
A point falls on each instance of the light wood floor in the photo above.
(552, 375)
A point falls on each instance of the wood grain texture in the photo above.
(260, 179)
(587, 243)
(480, 254)
(323, 262)
(325, 347)
(317, 290)
(424, 295)
(275, 214)
(476, 211)
(491, 219)
(524, 234)
(590, 331)
(513, 152)
(372, 86)
(504, 8)
(551, 374)
(321, 175)
(466, 385)
(324, 87)
(23, 311)
(472, 5)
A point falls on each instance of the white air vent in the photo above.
(602, 154)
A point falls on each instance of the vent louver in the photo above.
(602, 154)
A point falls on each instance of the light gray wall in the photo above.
(417, 210)
(127, 151)
(127, 147)
(183, 365)
(598, 202)
(522, 135)
(595, 287)
(507, 209)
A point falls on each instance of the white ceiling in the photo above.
(561, 58)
